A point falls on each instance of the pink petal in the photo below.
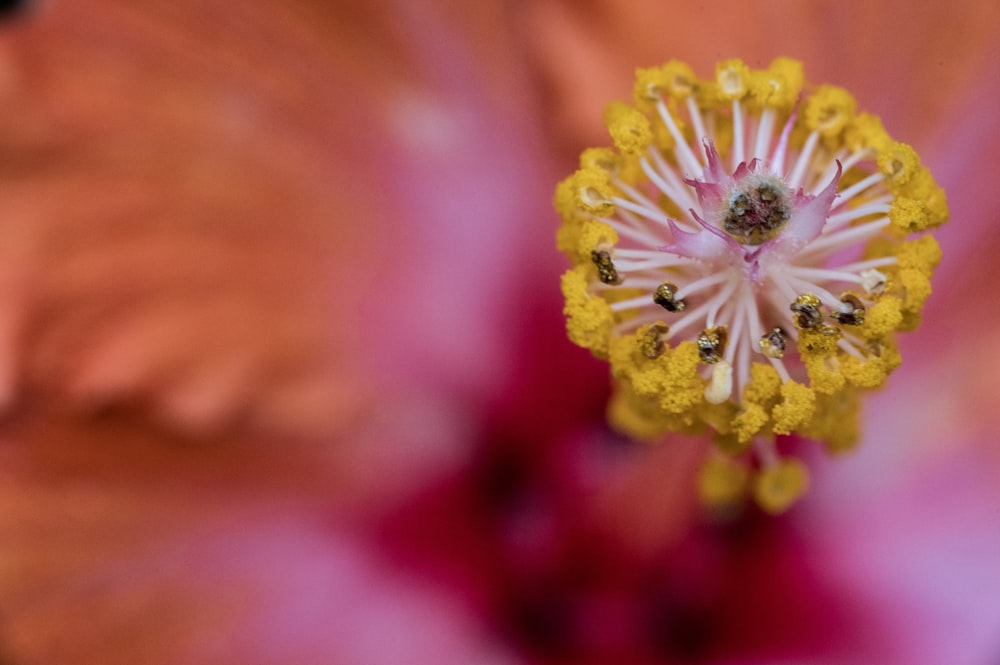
(702, 245)
(809, 214)
(709, 194)
(714, 171)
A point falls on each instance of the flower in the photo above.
(123, 542)
(744, 259)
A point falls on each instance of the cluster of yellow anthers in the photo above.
(743, 258)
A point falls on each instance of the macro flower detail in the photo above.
(743, 257)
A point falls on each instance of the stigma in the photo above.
(744, 256)
(757, 209)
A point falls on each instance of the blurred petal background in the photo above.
(283, 368)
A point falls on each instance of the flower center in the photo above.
(743, 259)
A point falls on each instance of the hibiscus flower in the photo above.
(286, 369)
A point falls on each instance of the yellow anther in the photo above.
(629, 128)
(707, 96)
(764, 385)
(594, 192)
(909, 215)
(564, 200)
(672, 379)
(825, 373)
(722, 481)
(612, 161)
(836, 421)
(899, 163)
(870, 373)
(602, 158)
(816, 343)
(579, 238)
(732, 78)
(682, 386)
(674, 79)
(779, 486)
(866, 132)
(921, 186)
(567, 238)
(749, 422)
(588, 318)
(916, 289)
(568, 234)
(883, 318)
(779, 85)
(642, 418)
(592, 236)
(829, 110)
(795, 409)
(923, 254)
